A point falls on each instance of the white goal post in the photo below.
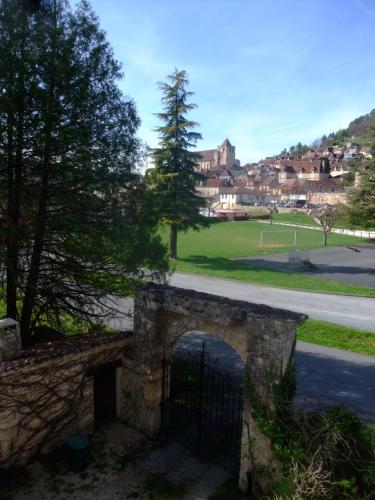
(278, 238)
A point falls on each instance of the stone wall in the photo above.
(47, 393)
(10, 339)
(327, 198)
(264, 337)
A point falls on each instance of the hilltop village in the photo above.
(321, 176)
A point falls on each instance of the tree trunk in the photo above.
(325, 235)
(41, 221)
(11, 243)
(173, 242)
(32, 280)
(15, 148)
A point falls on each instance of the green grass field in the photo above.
(340, 337)
(208, 252)
(295, 218)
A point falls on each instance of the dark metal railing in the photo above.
(202, 408)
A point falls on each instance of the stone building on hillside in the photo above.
(314, 170)
(234, 198)
(223, 156)
(312, 193)
(339, 168)
(310, 155)
(211, 187)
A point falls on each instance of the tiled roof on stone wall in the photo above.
(75, 344)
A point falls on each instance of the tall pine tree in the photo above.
(77, 225)
(173, 179)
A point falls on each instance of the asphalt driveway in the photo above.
(353, 264)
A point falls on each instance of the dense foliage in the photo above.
(362, 199)
(296, 151)
(324, 454)
(360, 128)
(173, 178)
(77, 223)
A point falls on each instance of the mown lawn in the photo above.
(295, 218)
(242, 239)
(208, 252)
(341, 337)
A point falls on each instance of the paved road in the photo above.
(325, 376)
(331, 263)
(358, 312)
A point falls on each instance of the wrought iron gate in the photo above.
(202, 408)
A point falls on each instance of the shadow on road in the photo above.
(331, 263)
(324, 380)
(224, 264)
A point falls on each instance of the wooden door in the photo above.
(105, 395)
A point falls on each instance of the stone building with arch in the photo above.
(51, 391)
(264, 338)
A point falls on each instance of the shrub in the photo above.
(330, 455)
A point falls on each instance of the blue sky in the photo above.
(266, 73)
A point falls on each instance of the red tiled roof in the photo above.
(239, 190)
(295, 166)
(215, 182)
(305, 186)
(75, 344)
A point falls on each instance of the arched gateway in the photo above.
(264, 337)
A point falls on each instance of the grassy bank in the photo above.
(208, 252)
(242, 239)
(295, 218)
(340, 337)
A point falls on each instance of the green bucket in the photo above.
(77, 446)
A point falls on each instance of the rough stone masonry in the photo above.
(264, 337)
(47, 392)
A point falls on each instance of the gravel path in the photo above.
(123, 465)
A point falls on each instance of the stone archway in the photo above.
(219, 354)
(203, 396)
(264, 337)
